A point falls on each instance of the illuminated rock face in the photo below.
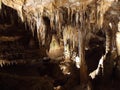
(118, 39)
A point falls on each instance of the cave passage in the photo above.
(59, 44)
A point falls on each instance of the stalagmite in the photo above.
(108, 39)
(56, 51)
(66, 40)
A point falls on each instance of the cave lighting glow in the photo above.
(77, 61)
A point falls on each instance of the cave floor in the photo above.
(34, 73)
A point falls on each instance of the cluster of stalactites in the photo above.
(61, 17)
(34, 20)
(102, 7)
(9, 15)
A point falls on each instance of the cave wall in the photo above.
(65, 25)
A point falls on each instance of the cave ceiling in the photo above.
(65, 17)
(48, 7)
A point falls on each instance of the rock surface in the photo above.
(64, 18)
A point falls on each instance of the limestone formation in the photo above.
(64, 28)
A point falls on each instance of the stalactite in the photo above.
(41, 30)
(69, 14)
(60, 24)
(20, 14)
(101, 16)
(92, 16)
(57, 18)
(72, 13)
(52, 21)
(31, 24)
(77, 18)
(38, 27)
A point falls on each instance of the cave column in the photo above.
(84, 80)
(83, 66)
(108, 63)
